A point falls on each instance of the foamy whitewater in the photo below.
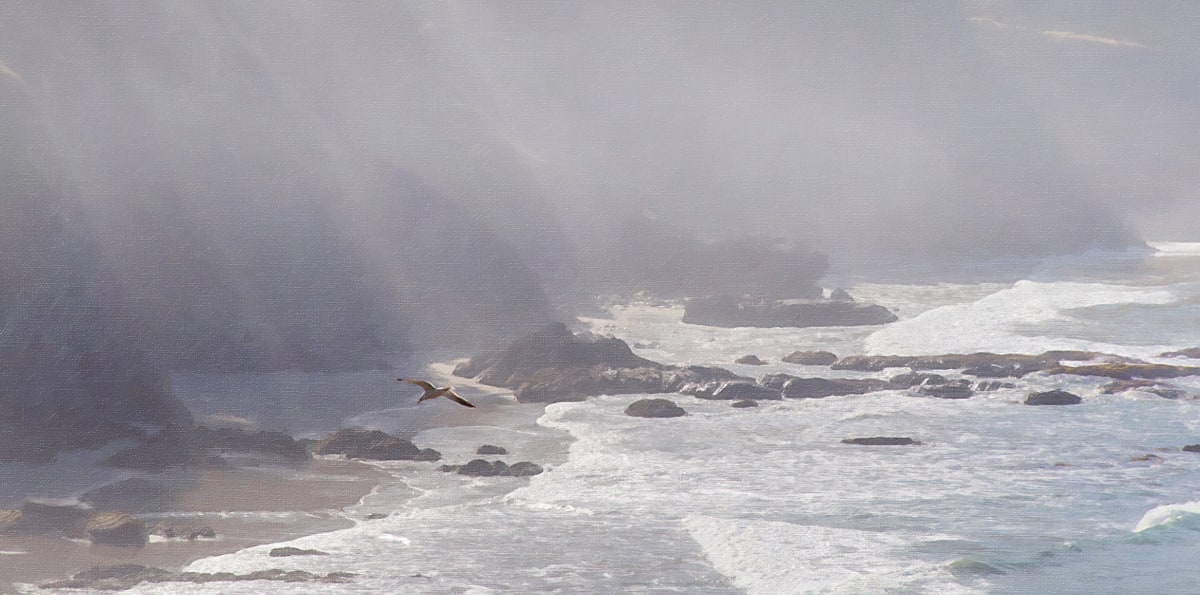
(1000, 498)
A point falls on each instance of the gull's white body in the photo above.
(433, 392)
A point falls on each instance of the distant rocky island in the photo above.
(839, 310)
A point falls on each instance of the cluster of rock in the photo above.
(127, 576)
(728, 312)
(482, 468)
(196, 445)
(553, 364)
(109, 528)
(361, 443)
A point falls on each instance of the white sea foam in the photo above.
(1166, 515)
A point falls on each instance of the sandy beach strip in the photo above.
(246, 506)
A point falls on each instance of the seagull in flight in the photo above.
(433, 392)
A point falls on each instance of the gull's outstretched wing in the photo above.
(420, 383)
(457, 399)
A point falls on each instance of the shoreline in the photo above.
(246, 506)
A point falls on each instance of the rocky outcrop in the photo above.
(553, 364)
(1054, 397)
(196, 445)
(654, 408)
(1128, 370)
(817, 388)
(881, 441)
(724, 311)
(750, 360)
(958, 389)
(810, 358)
(1165, 391)
(482, 468)
(116, 528)
(740, 391)
(1191, 352)
(916, 379)
(127, 576)
(1192, 448)
(489, 449)
(361, 443)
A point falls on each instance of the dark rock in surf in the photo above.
(361, 443)
(959, 389)
(1054, 397)
(724, 311)
(840, 295)
(1165, 391)
(198, 446)
(744, 404)
(750, 360)
(654, 408)
(992, 385)
(489, 449)
(1128, 370)
(810, 358)
(1191, 352)
(523, 469)
(817, 388)
(116, 528)
(1192, 448)
(881, 441)
(553, 364)
(915, 379)
(740, 391)
(184, 531)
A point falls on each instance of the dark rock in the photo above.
(738, 391)
(914, 379)
(881, 441)
(195, 445)
(554, 365)
(361, 443)
(478, 468)
(1191, 352)
(375, 516)
(1192, 448)
(654, 408)
(722, 311)
(174, 530)
(1147, 458)
(286, 552)
(873, 363)
(810, 358)
(969, 569)
(1054, 397)
(40, 518)
(1128, 371)
(116, 528)
(744, 404)
(840, 295)
(1165, 391)
(488, 449)
(960, 389)
(775, 381)
(993, 370)
(816, 388)
(750, 360)
(992, 385)
(523, 469)
(127, 576)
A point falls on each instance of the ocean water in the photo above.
(999, 497)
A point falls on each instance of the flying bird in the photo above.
(433, 392)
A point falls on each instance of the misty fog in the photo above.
(316, 185)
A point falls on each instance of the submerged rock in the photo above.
(740, 391)
(654, 408)
(810, 358)
(523, 469)
(881, 441)
(959, 389)
(750, 360)
(915, 379)
(744, 404)
(361, 443)
(1054, 397)
(1191, 352)
(723, 311)
(488, 449)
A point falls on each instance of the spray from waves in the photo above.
(992, 323)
